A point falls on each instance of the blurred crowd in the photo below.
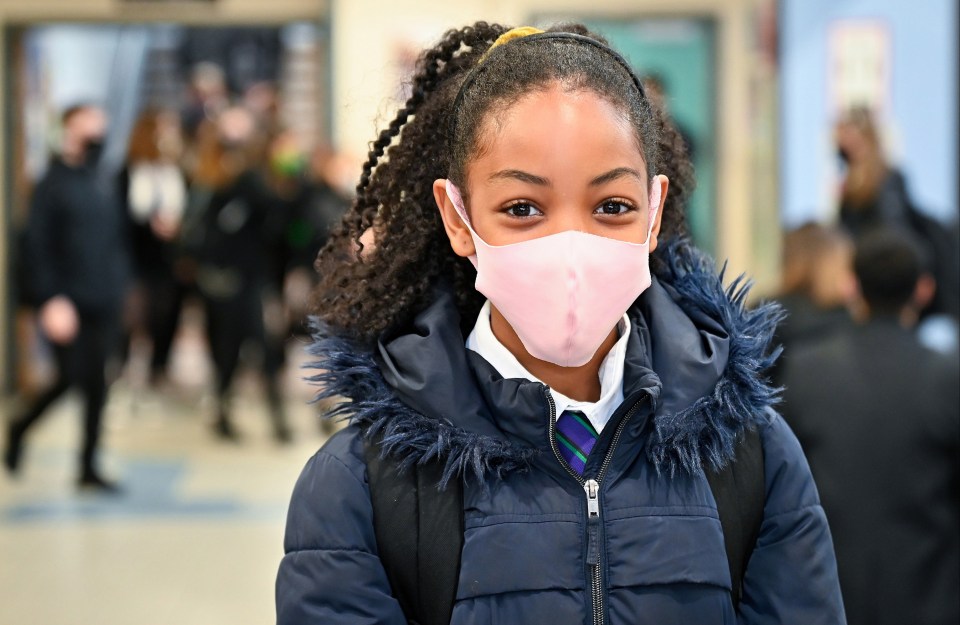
(870, 375)
(216, 203)
(819, 288)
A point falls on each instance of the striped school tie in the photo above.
(575, 438)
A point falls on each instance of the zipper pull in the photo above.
(592, 489)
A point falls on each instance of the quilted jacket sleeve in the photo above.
(42, 244)
(792, 575)
(330, 572)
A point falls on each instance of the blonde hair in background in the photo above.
(867, 166)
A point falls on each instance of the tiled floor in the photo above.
(195, 538)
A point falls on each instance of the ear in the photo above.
(664, 183)
(924, 291)
(460, 238)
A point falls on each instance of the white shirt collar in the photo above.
(483, 342)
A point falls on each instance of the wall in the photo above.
(922, 130)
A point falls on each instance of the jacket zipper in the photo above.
(591, 489)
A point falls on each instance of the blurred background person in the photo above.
(262, 100)
(311, 219)
(817, 289)
(878, 416)
(874, 194)
(78, 271)
(153, 187)
(285, 193)
(302, 208)
(234, 251)
(207, 96)
(310, 225)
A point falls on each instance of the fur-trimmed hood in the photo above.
(695, 350)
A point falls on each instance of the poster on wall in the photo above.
(859, 69)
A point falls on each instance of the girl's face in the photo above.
(555, 160)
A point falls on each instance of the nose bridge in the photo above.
(570, 214)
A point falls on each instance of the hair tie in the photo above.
(510, 35)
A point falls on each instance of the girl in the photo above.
(518, 335)
(154, 188)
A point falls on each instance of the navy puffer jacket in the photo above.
(692, 385)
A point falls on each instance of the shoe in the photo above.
(281, 431)
(13, 450)
(283, 435)
(95, 483)
(224, 430)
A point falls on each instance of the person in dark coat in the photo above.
(878, 416)
(236, 263)
(312, 219)
(817, 288)
(79, 269)
(584, 467)
(872, 192)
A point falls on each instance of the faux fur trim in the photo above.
(351, 378)
(705, 434)
(702, 436)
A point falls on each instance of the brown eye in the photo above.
(522, 209)
(614, 207)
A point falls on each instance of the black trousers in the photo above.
(81, 365)
(230, 323)
(165, 295)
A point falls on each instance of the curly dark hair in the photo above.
(365, 295)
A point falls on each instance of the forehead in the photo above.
(557, 128)
(90, 118)
(236, 124)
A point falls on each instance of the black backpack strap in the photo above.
(419, 531)
(740, 493)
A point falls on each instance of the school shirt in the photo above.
(483, 342)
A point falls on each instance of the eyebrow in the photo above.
(522, 176)
(614, 174)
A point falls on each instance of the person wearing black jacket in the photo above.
(77, 271)
(878, 417)
(818, 288)
(237, 260)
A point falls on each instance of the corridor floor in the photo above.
(196, 536)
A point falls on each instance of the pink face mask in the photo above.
(564, 293)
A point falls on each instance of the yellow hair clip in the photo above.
(510, 35)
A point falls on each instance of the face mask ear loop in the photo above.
(454, 194)
(654, 205)
(457, 200)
